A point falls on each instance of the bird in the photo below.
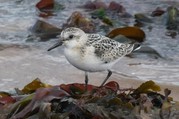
(92, 52)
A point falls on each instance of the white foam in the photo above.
(7, 80)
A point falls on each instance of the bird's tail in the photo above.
(133, 47)
(137, 46)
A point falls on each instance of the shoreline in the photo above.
(56, 70)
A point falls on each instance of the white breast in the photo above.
(87, 61)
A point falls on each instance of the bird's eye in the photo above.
(71, 36)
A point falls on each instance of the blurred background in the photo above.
(28, 28)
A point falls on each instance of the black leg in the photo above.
(86, 80)
(109, 74)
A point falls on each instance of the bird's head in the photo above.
(71, 37)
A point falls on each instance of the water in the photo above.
(22, 61)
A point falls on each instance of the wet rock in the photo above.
(80, 21)
(172, 34)
(142, 18)
(45, 4)
(150, 28)
(47, 8)
(157, 12)
(107, 21)
(102, 17)
(116, 9)
(108, 18)
(99, 13)
(107, 15)
(44, 30)
(133, 34)
(97, 4)
(172, 18)
(114, 6)
(138, 24)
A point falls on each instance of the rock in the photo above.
(142, 18)
(114, 6)
(97, 4)
(132, 33)
(45, 4)
(45, 30)
(172, 34)
(78, 20)
(48, 7)
(157, 12)
(172, 18)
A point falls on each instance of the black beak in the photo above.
(59, 43)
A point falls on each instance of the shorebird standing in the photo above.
(92, 52)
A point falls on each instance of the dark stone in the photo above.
(45, 30)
